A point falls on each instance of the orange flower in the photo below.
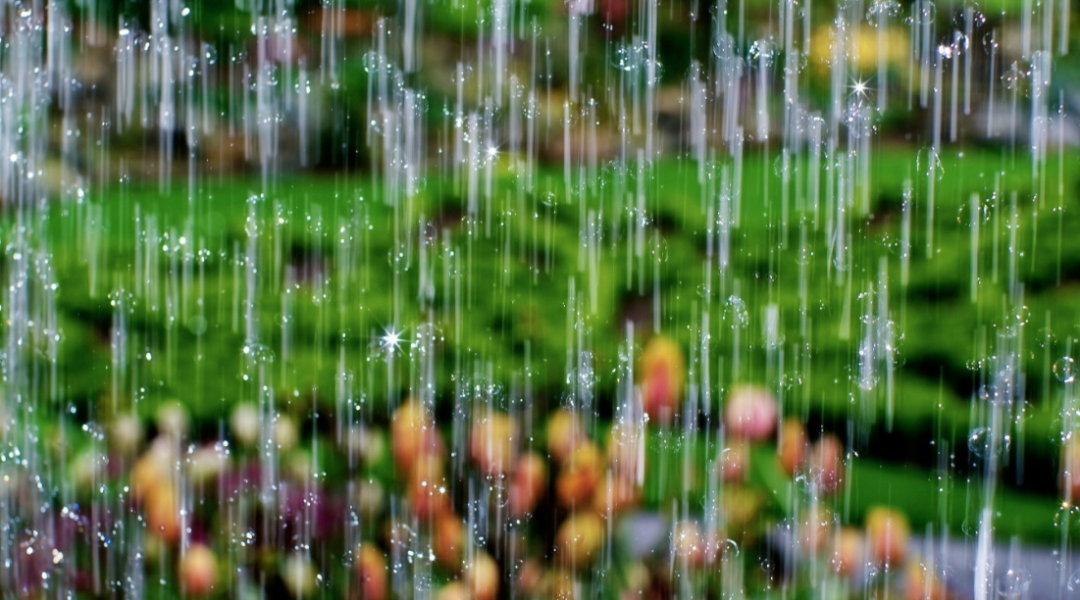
(564, 433)
(661, 372)
(198, 571)
(492, 443)
(792, 446)
(483, 577)
(579, 475)
(372, 573)
(580, 536)
(889, 535)
(413, 434)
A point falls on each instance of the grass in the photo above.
(499, 301)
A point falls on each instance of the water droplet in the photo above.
(859, 117)
(1074, 581)
(928, 162)
(981, 442)
(1065, 369)
(763, 51)
(629, 426)
(729, 549)
(197, 325)
(990, 393)
(724, 46)
(258, 353)
(882, 10)
(498, 489)
(667, 439)
(372, 62)
(1014, 583)
(871, 571)
(1015, 77)
(735, 313)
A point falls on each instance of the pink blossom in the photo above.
(750, 413)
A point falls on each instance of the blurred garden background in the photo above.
(539, 299)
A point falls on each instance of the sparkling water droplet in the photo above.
(736, 313)
(871, 571)
(981, 442)
(929, 163)
(372, 62)
(1014, 583)
(764, 51)
(881, 10)
(498, 490)
(258, 353)
(990, 393)
(1065, 369)
(724, 46)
